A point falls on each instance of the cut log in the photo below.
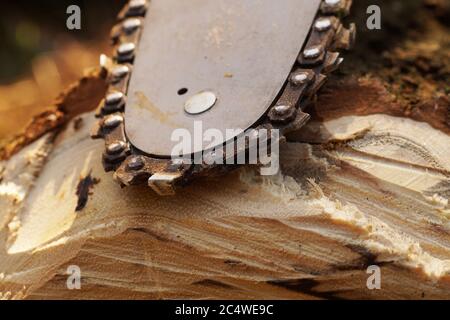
(365, 184)
(356, 191)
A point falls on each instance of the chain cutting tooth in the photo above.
(346, 38)
(96, 131)
(300, 120)
(164, 182)
(106, 63)
(332, 62)
(315, 87)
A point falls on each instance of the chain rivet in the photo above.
(312, 52)
(332, 2)
(116, 147)
(135, 163)
(299, 78)
(114, 98)
(131, 24)
(322, 24)
(126, 49)
(112, 121)
(136, 7)
(120, 72)
(283, 109)
(137, 4)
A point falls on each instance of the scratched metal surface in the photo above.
(243, 51)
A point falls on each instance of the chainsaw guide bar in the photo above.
(252, 64)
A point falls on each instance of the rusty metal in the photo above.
(286, 111)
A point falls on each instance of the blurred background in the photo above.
(39, 56)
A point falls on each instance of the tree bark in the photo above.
(366, 183)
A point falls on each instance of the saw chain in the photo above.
(319, 56)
